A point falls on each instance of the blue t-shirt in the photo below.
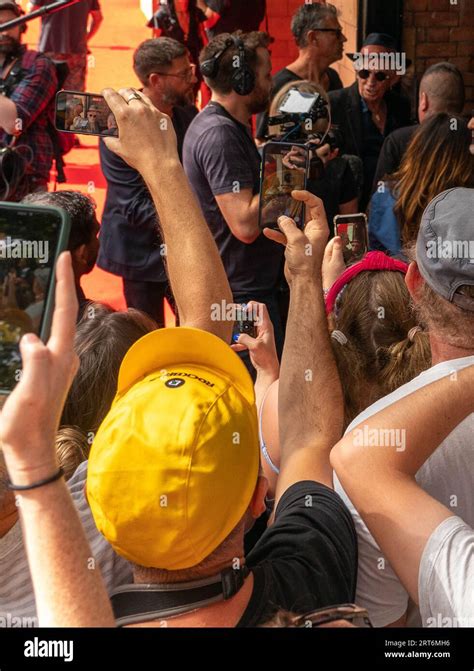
(220, 156)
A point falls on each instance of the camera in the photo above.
(298, 114)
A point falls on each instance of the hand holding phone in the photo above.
(284, 169)
(84, 114)
(352, 229)
(31, 238)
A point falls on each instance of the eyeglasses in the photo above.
(379, 76)
(349, 612)
(338, 31)
(187, 76)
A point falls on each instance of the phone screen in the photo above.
(30, 240)
(84, 113)
(284, 169)
(352, 229)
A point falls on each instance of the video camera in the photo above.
(298, 117)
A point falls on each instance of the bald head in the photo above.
(441, 90)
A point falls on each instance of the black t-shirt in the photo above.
(220, 156)
(307, 559)
(393, 150)
(337, 186)
(284, 77)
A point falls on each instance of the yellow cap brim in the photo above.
(164, 348)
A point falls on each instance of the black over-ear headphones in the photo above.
(243, 78)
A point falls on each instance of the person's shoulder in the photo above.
(209, 127)
(31, 58)
(282, 77)
(340, 96)
(402, 135)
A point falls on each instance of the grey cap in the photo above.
(445, 245)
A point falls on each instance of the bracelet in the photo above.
(46, 481)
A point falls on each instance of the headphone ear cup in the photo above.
(209, 68)
(243, 81)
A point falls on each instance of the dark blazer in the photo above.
(130, 242)
(346, 113)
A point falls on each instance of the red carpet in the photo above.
(110, 64)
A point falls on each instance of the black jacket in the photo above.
(346, 113)
(130, 242)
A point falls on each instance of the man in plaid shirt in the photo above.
(26, 106)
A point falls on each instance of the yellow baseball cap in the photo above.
(175, 462)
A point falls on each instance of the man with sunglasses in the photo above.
(369, 110)
(131, 246)
(320, 41)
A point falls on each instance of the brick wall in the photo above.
(437, 30)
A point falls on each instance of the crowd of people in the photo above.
(316, 473)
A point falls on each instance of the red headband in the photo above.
(371, 261)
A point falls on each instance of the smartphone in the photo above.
(244, 323)
(352, 229)
(31, 238)
(84, 114)
(285, 168)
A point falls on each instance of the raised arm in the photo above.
(310, 395)
(380, 479)
(147, 142)
(68, 593)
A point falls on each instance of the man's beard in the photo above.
(259, 101)
(9, 46)
(175, 99)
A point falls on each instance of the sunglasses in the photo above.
(379, 76)
(349, 612)
(338, 31)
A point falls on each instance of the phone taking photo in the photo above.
(31, 239)
(84, 114)
(352, 229)
(285, 168)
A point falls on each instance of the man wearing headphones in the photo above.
(223, 165)
(28, 84)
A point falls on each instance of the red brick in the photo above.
(462, 35)
(441, 49)
(441, 5)
(434, 19)
(465, 48)
(463, 63)
(437, 34)
(407, 18)
(469, 78)
(420, 35)
(419, 5)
